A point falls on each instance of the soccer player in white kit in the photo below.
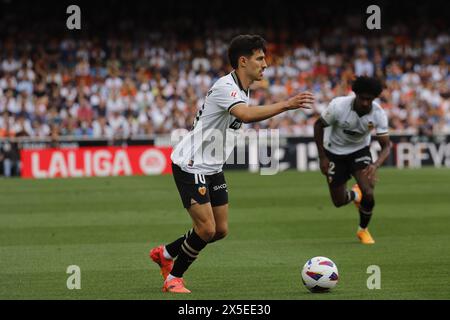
(198, 175)
(343, 136)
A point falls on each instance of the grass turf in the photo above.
(106, 226)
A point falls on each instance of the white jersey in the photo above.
(347, 132)
(208, 145)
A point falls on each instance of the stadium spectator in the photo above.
(115, 86)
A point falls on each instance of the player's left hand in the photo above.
(370, 172)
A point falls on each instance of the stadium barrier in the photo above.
(68, 157)
(407, 152)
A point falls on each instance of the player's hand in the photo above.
(370, 171)
(303, 100)
(324, 165)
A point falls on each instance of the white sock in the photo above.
(361, 229)
(357, 199)
(170, 277)
(166, 254)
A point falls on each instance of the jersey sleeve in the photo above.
(382, 126)
(226, 97)
(329, 114)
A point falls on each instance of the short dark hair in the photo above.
(368, 85)
(244, 45)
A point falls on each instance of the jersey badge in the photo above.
(202, 190)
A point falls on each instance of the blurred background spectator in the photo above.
(143, 69)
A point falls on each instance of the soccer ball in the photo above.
(320, 274)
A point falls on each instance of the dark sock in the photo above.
(174, 248)
(365, 211)
(364, 218)
(190, 248)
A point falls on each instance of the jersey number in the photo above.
(331, 168)
(199, 178)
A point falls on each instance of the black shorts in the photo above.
(198, 188)
(343, 166)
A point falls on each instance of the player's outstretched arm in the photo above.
(253, 114)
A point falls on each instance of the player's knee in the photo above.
(221, 233)
(205, 227)
(207, 232)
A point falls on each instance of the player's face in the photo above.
(363, 102)
(256, 65)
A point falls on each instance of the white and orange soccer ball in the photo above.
(320, 274)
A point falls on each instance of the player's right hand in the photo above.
(303, 100)
(324, 165)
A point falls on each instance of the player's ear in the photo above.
(243, 61)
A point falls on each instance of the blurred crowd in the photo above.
(119, 88)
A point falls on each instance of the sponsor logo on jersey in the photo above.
(233, 94)
(350, 133)
(236, 124)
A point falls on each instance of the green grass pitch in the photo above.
(106, 226)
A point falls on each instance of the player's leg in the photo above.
(221, 218)
(337, 176)
(164, 255)
(367, 203)
(218, 193)
(340, 195)
(194, 194)
(368, 200)
(203, 231)
(219, 201)
(210, 224)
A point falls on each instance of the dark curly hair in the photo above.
(244, 45)
(367, 85)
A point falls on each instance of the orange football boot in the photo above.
(157, 255)
(365, 237)
(358, 191)
(175, 285)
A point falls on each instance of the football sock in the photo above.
(355, 196)
(173, 248)
(365, 211)
(166, 254)
(169, 277)
(190, 248)
(364, 218)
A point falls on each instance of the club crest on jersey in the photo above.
(233, 94)
(202, 190)
(370, 125)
